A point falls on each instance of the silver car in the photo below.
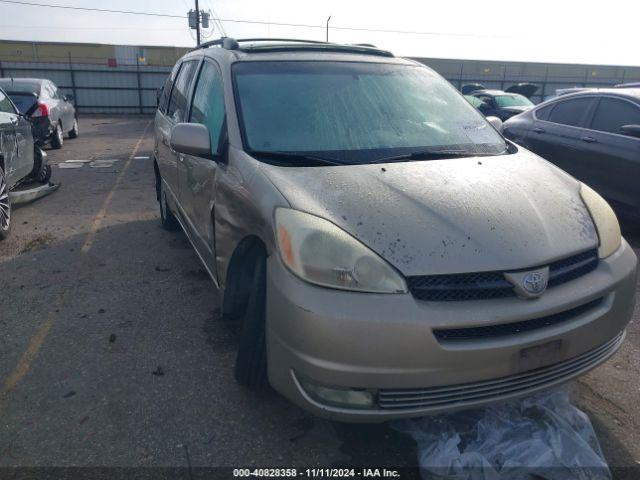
(384, 251)
(51, 113)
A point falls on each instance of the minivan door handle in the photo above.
(588, 139)
(539, 130)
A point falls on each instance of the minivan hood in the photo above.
(449, 216)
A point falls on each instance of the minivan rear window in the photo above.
(355, 112)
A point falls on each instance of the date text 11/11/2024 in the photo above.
(316, 473)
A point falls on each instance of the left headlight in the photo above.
(319, 252)
(605, 220)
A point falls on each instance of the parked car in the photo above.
(504, 105)
(594, 135)
(20, 159)
(52, 113)
(384, 251)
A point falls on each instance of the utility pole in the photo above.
(197, 23)
(327, 27)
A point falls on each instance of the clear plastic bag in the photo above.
(540, 437)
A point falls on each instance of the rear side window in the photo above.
(570, 112)
(56, 91)
(179, 102)
(208, 103)
(543, 113)
(613, 113)
(5, 104)
(45, 93)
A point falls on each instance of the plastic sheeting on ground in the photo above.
(540, 437)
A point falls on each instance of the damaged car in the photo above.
(20, 159)
(382, 249)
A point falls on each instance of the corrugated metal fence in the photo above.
(548, 77)
(131, 88)
(98, 88)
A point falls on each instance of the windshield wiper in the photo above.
(431, 155)
(299, 157)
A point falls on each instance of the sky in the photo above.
(566, 31)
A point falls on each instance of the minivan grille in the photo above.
(451, 395)
(485, 285)
(505, 329)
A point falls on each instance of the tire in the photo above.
(44, 175)
(251, 362)
(58, 137)
(75, 131)
(167, 218)
(5, 207)
(41, 172)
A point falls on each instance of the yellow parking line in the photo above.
(30, 354)
(24, 364)
(97, 221)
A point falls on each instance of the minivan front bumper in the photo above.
(384, 344)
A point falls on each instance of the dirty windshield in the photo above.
(357, 112)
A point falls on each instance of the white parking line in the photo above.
(101, 164)
(70, 165)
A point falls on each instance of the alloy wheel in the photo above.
(5, 205)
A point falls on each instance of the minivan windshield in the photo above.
(357, 112)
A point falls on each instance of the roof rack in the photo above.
(290, 44)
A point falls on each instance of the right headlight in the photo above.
(320, 252)
(605, 220)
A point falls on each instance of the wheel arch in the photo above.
(242, 265)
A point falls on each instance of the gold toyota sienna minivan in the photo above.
(383, 249)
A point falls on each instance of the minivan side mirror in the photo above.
(631, 130)
(68, 98)
(496, 122)
(191, 139)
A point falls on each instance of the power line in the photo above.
(89, 9)
(254, 22)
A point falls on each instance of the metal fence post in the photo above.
(139, 85)
(544, 84)
(73, 83)
(1, 69)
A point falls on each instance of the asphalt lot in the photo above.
(112, 352)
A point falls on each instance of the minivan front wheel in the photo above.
(251, 363)
(5, 207)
